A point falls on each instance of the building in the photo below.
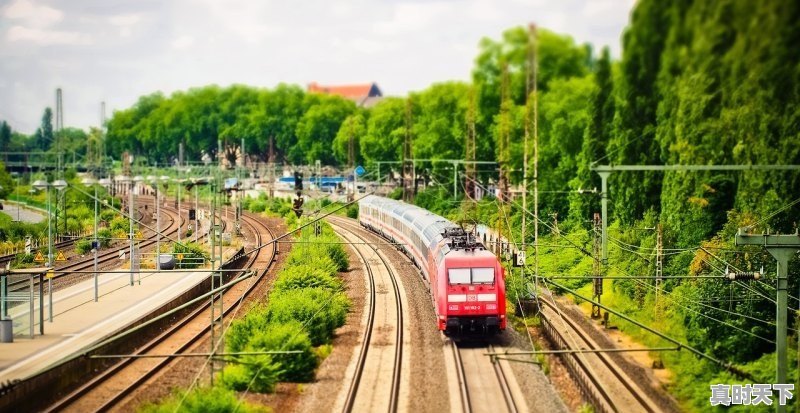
(364, 95)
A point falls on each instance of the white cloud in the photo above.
(125, 19)
(409, 17)
(183, 42)
(46, 37)
(33, 14)
(128, 48)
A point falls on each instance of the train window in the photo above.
(458, 275)
(483, 275)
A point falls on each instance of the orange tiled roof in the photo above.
(347, 91)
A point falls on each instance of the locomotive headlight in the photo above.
(452, 307)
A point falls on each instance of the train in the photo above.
(467, 282)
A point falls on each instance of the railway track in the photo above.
(381, 349)
(601, 380)
(112, 388)
(483, 382)
(69, 274)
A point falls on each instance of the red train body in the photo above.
(467, 282)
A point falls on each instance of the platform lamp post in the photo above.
(42, 184)
(59, 185)
(180, 183)
(134, 182)
(165, 181)
(154, 181)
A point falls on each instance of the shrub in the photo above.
(193, 254)
(119, 223)
(108, 215)
(104, 235)
(307, 276)
(83, 245)
(320, 311)
(203, 399)
(352, 211)
(289, 336)
(241, 330)
(254, 373)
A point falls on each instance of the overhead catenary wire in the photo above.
(623, 272)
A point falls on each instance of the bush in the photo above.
(254, 373)
(307, 276)
(320, 311)
(193, 254)
(108, 215)
(119, 223)
(83, 245)
(241, 330)
(104, 235)
(203, 399)
(289, 336)
(352, 211)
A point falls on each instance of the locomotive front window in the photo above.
(483, 275)
(459, 275)
(471, 275)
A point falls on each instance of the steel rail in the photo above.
(254, 224)
(462, 379)
(398, 356)
(606, 361)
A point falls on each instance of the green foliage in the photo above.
(203, 400)
(289, 336)
(194, 255)
(6, 182)
(318, 126)
(352, 211)
(83, 245)
(307, 275)
(320, 311)
(255, 373)
(243, 329)
(104, 235)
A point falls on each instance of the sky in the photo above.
(114, 51)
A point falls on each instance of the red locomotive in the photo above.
(467, 282)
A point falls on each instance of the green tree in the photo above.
(598, 134)
(355, 126)
(385, 132)
(5, 136)
(43, 138)
(318, 126)
(6, 181)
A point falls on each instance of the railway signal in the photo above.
(297, 205)
(298, 181)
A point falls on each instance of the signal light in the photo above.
(298, 181)
(297, 205)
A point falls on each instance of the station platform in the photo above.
(79, 322)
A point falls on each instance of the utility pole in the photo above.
(503, 155)
(782, 248)
(57, 136)
(351, 157)
(409, 177)
(529, 76)
(597, 281)
(271, 167)
(102, 149)
(659, 264)
(471, 177)
(534, 48)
